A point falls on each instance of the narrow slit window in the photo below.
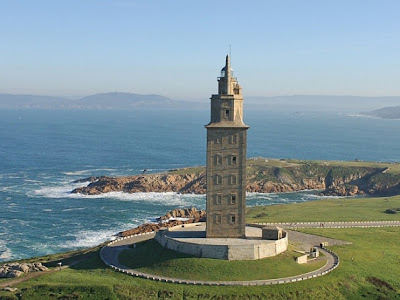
(218, 179)
(232, 179)
(233, 160)
(227, 113)
(217, 160)
(233, 219)
(218, 219)
(218, 199)
(233, 199)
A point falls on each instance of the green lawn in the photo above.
(341, 209)
(369, 268)
(373, 274)
(150, 257)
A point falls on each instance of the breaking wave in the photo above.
(88, 238)
(170, 198)
(5, 252)
(86, 172)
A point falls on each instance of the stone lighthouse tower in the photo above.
(226, 160)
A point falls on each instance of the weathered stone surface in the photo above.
(13, 274)
(185, 184)
(193, 214)
(12, 270)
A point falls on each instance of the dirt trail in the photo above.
(10, 283)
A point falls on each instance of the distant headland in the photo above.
(330, 178)
(392, 112)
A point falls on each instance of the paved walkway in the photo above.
(109, 254)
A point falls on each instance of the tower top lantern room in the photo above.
(227, 83)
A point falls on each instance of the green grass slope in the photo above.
(150, 257)
(369, 269)
(342, 209)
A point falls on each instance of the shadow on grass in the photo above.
(149, 253)
(88, 259)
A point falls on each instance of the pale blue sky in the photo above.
(176, 48)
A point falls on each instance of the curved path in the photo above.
(109, 254)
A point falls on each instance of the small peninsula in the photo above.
(331, 178)
(392, 112)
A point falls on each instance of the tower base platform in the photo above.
(191, 239)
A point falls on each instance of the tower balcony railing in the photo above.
(233, 78)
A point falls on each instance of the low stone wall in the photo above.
(251, 251)
(207, 251)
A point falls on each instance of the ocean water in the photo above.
(42, 152)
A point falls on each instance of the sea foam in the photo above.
(64, 191)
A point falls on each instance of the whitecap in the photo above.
(357, 115)
(169, 198)
(87, 172)
(62, 191)
(76, 173)
(5, 252)
(74, 209)
(32, 181)
(88, 238)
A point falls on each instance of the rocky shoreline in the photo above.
(265, 176)
(189, 215)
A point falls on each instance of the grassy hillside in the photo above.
(368, 268)
(342, 209)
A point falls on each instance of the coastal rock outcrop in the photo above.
(190, 213)
(184, 184)
(168, 220)
(265, 176)
(13, 270)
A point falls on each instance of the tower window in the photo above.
(227, 113)
(218, 140)
(232, 219)
(233, 199)
(232, 179)
(218, 179)
(218, 199)
(218, 159)
(233, 139)
(233, 160)
(218, 218)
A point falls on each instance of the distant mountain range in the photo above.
(392, 112)
(98, 101)
(126, 101)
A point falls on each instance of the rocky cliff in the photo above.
(267, 176)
